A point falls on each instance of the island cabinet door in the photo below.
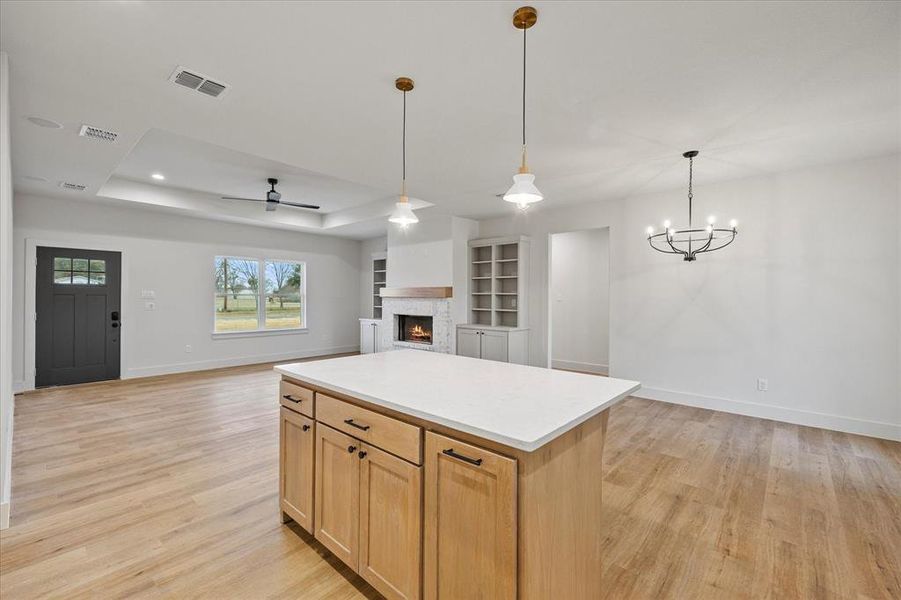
(338, 494)
(470, 522)
(296, 467)
(390, 524)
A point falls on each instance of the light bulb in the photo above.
(709, 228)
(650, 231)
(711, 219)
(666, 224)
(733, 223)
(672, 233)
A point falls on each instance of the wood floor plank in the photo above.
(167, 487)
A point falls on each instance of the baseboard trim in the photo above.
(877, 429)
(573, 365)
(4, 515)
(204, 365)
(18, 387)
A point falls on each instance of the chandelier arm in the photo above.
(663, 251)
(669, 241)
(651, 240)
(732, 239)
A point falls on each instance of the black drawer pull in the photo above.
(357, 425)
(362, 454)
(306, 427)
(291, 398)
(351, 449)
(473, 461)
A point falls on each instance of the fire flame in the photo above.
(418, 333)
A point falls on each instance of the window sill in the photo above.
(216, 335)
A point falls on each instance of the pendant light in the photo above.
(403, 215)
(691, 241)
(523, 191)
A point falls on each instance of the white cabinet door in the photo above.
(468, 343)
(366, 338)
(376, 336)
(494, 345)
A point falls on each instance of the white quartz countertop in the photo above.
(514, 405)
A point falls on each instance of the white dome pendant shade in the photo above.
(523, 191)
(403, 215)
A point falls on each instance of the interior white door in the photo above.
(468, 343)
(494, 345)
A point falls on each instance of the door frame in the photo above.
(31, 255)
(549, 296)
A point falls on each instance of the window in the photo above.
(78, 271)
(242, 303)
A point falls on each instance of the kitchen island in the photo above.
(441, 476)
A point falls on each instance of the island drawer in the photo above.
(296, 398)
(396, 437)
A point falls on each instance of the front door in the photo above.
(78, 322)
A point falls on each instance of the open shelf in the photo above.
(498, 274)
(379, 280)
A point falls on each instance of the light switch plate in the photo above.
(148, 294)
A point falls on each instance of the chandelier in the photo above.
(690, 242)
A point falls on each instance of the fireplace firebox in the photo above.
(414, 328)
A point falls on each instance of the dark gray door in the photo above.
(78, 322)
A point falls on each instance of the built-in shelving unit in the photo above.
(379, 280)
(498, 274)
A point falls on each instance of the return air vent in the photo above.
(67, 185)
(104, 135)
(197, 82)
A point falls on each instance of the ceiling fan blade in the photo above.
(313, 206)
(248, 199)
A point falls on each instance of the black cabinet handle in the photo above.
(306, 427)
(351, 449)
(362, 454)
(473, 461)
(357, 425)
(291, 398)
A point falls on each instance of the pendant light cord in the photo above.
(524, 87)
(404, 148)
(690, 195)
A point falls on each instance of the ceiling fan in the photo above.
(273, 198)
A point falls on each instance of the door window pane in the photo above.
(62, 277)
(284, 301)
(98, 278)
(79, 278)
(79, 264)
(62, 264)
(237, 291)
(98, 266)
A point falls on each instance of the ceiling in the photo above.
(617, 90)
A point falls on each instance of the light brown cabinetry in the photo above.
(470, 521)
(338, 493)
(390, 524)
(296, 468)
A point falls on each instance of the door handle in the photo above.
(351, 449)
(362, 454)
(357, 425)
(473, 461)
(306, 428)
(291, 398)
(115, 324)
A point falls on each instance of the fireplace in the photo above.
(415, 329)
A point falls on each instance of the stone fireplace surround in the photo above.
(440, 309)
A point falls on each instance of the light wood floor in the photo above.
(167, 487)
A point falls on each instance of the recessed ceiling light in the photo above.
(41, 122)
(158, 176)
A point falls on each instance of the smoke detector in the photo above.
(198, 82)
(97, 133)
(75, 187)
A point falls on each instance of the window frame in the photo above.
(261, 329)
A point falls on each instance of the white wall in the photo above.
(173, 255)
(6, 295)
(807, 297)
(580, 300)
(367, 249)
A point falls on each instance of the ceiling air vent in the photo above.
(97, 133)
(197, 82)
(67, 185)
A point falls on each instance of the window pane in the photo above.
(98, 278)
(284, 305)
(79, 278)
(62, 264)
(79, 264)
(237, 286)
(98, 266)
(62, 277)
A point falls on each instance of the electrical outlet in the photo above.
(148, 305)
(762, 384)
(189, 348)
